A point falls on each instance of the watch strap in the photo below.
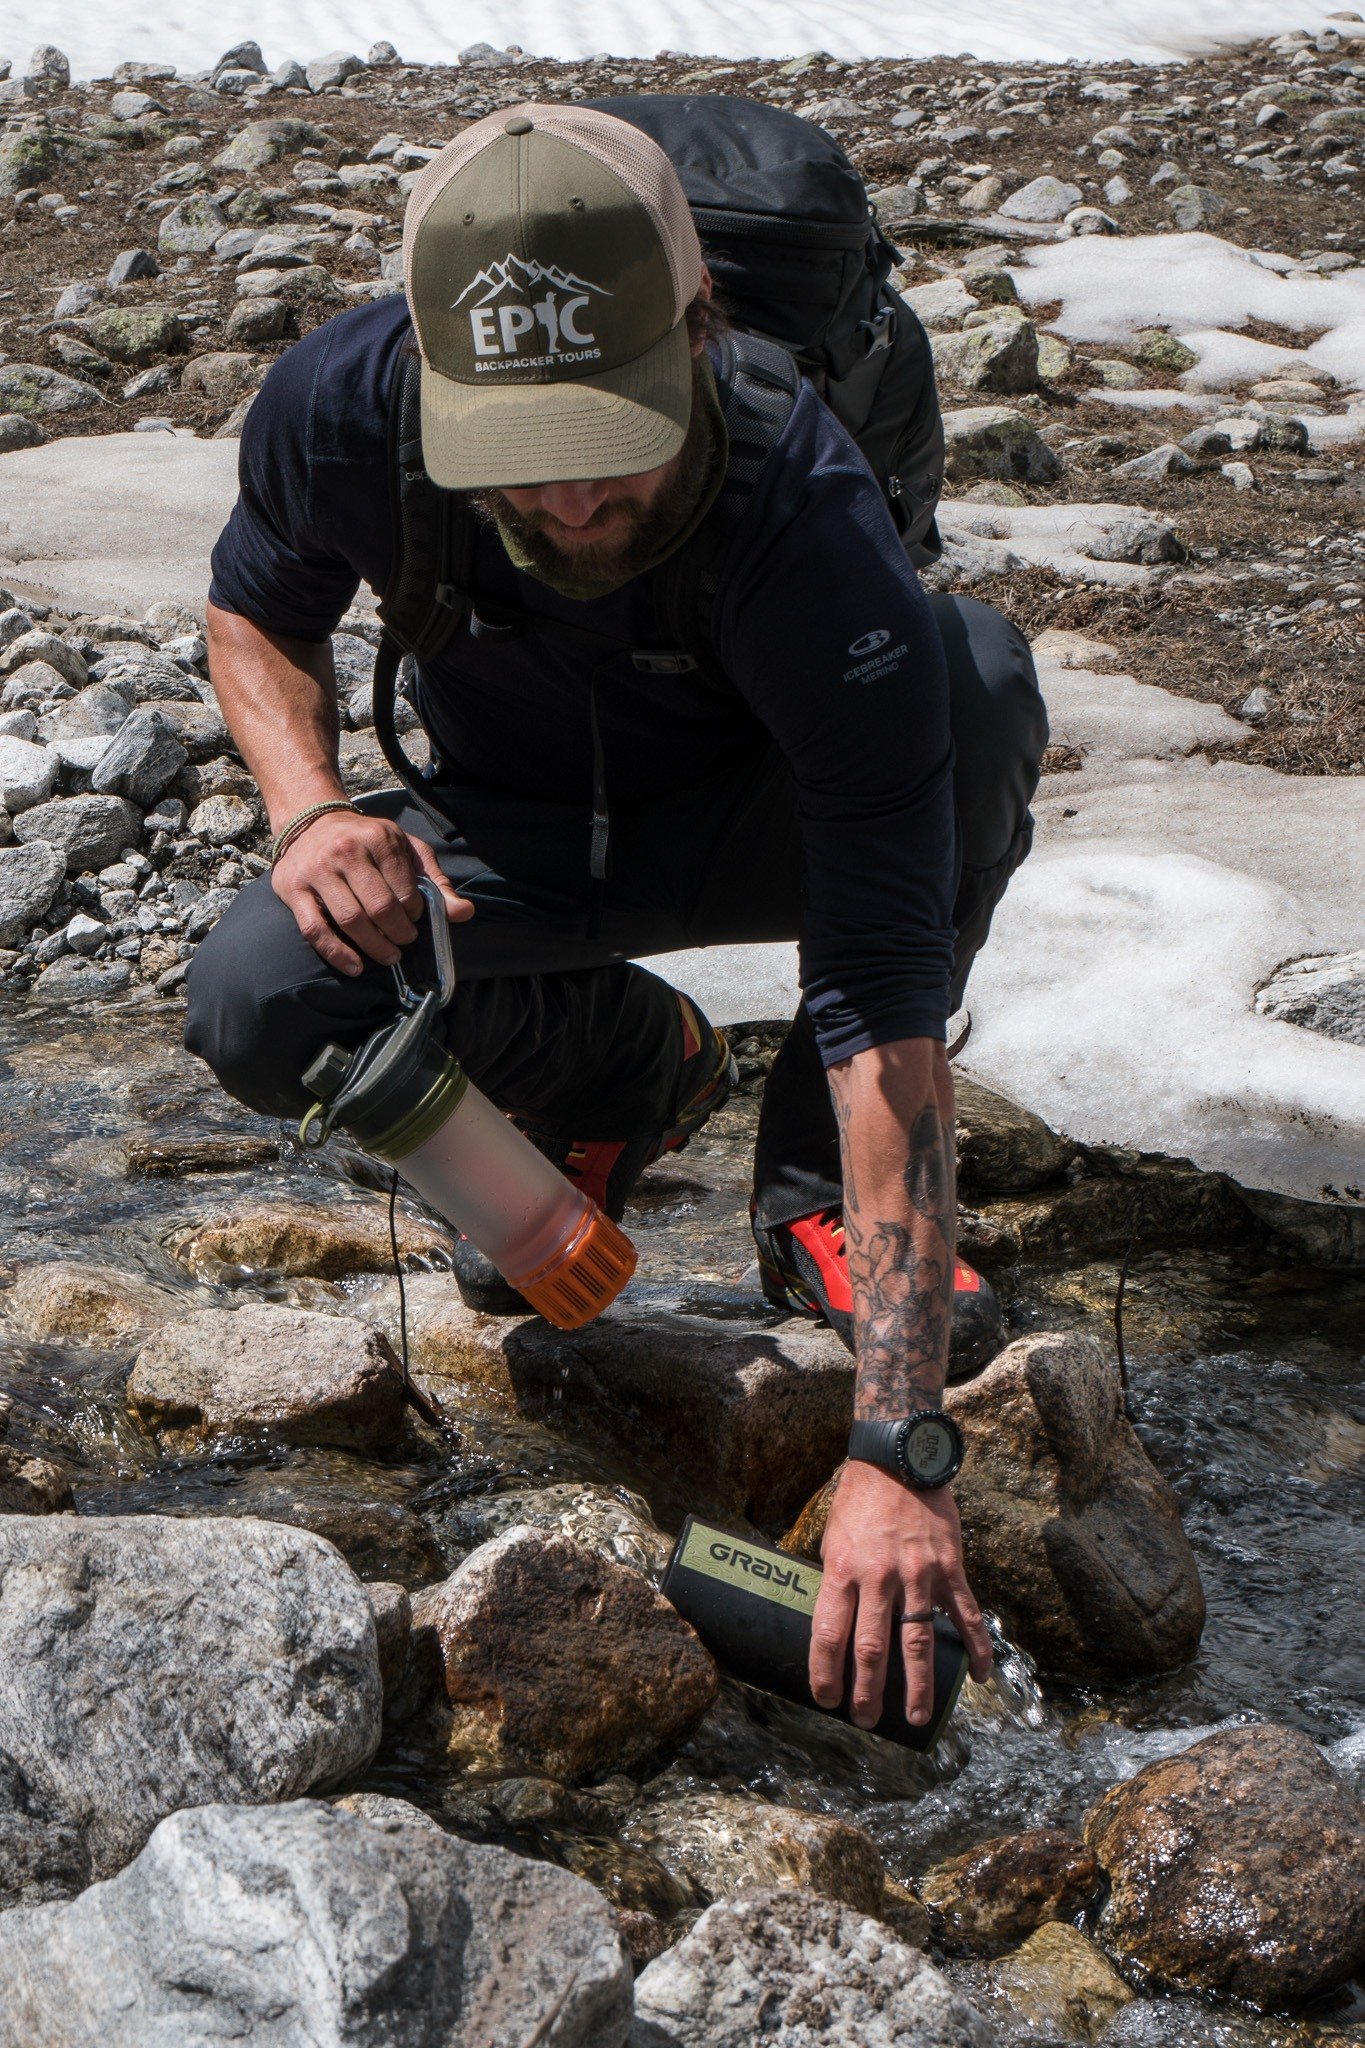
(877, 1443)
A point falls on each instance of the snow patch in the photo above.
(1202, 289)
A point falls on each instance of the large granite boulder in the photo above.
(538, 1654)
(296, 1377)
(148, 1663)
(794, 1968)
(1069, 1533)
(306, 1924)
(1237, 1866)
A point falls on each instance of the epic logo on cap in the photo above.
(550, 257)
(499, 329)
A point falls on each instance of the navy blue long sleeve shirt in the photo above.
(827, 643)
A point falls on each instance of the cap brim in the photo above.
(615, 423)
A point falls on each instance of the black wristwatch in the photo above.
(925, 1450)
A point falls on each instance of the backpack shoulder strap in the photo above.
(759, 385)
(432, 530)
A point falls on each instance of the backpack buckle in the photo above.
(881, 329)
(678, 664)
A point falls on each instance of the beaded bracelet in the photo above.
(289, 833)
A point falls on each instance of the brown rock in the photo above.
(1069, 1532)
(642, 1934)
(65, 1301)
(723, 1845)
(298, 1377)
(541, 1655)
(32, 1486)
(1005, 1889)
(170, 1158)
(1124, 1195)
(750, 1420)
(1002, 1148)
(1058, 1985)
(1238, 1867)
(291, 1238)
(393, 1627)
(224, 376)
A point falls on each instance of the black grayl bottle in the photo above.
(752, 1607)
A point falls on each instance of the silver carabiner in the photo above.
(408, 997)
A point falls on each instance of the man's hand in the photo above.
(889, 1551)
(353, 878)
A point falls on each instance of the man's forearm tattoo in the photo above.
(901, 1269)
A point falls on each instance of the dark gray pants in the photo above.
(558, 1026)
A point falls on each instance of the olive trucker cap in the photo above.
(550, 256)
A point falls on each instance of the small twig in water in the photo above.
(1118, 1318)
(430, 1411)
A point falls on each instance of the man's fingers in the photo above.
(321, 935)
(917, 1647)
(967, 1615)
(871, 1649)
(830, 1626)
(350, 916)
(458, 908)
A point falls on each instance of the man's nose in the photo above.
(574, 504)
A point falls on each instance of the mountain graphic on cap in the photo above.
(514, 274)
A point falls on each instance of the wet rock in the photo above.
(1070, 1534)
(1042, 199)
(28, 774)
(73, 980)
(1002, 1148)
(169, 1158)
(1237, 1866)
(1111, 1195)
(149, 1663)
(91, 831)
(722, 1845)
(309, 1923)
(291, 1239)
(792, 1966)
(380, 1808)
(136, 334)
(32, 1486)
(294, 1376)
(992, 441)
(1058, 1986)
(609, 1519)
(1325, 993)
(392, 1627)
(267, 142)
(141, 760)
(65, 1301)
(1003, 1890)
(995, 356)
(537, 1654)
(753, 1420)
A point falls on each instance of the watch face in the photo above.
(929, 1451)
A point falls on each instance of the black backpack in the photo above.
(801, 266)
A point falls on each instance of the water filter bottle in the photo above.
(405, 1099)
(752, 1607)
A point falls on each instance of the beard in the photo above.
(639, 533)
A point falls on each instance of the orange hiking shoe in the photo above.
(804, 1267)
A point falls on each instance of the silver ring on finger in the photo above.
(928, 1615)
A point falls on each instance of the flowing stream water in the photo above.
(1247, 1386)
